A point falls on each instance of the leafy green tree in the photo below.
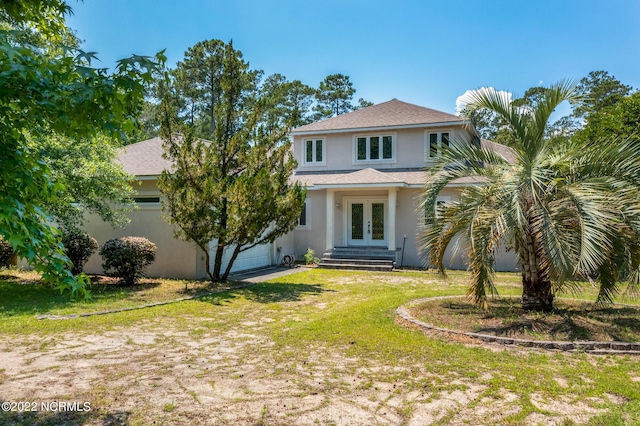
(90, 179)
(568, 208)
(597, 91)
(363, 103)
(197, 81)
(489, 125)
(334, 96)
(49, 87)
(232, 191)
(289, 101)
(621, 121)
(148, 123)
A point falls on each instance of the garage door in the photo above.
(253, 258)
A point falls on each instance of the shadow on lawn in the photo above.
(268, 293)
(18, 296)
(568, 321)
(61, 417)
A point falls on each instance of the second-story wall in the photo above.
(339, 151)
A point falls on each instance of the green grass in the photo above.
(351, 316)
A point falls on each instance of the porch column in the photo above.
(330, 215)
(393, 200)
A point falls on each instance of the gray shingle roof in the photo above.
(508, 153)
(392, 113)
(367, 176)
(144, 158)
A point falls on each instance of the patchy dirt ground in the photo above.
(571, 320)
(152, 374)
(322, 349)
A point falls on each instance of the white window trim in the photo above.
(306, 227)
(324, 151)
(354, 150)
(427, 145)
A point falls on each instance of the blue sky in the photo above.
(424, 52)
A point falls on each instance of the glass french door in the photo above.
(366, 222)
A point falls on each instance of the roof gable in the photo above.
(393, 113)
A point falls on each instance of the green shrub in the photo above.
(78, 246)
(6, 253)
(127, 257)
(310, 257)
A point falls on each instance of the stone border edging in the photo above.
(615, 348)
(134, 308)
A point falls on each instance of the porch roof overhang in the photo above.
(360, 185)
(364, 178)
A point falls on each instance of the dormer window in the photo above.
(435, 142)
(374, 148)
(314, 151)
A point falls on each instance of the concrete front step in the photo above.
(360, 253)
(356, 266)
(360, 258)
(352, 260)
(363, 250)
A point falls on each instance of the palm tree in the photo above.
(570, 210)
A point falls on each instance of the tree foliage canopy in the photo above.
(334, 96)
(231, 191)
(594, 94)
(621, 121)
(597, 91)
(49, 87)
(89, 177)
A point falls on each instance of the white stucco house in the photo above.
(363, 170)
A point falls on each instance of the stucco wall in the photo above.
(174, 258)
(314, 234)
(340, 149)
(408, 222)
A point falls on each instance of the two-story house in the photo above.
(363, 170)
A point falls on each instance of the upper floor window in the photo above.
(314, 151)
(435, 142)
(374, 148)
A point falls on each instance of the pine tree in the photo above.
(232, 191)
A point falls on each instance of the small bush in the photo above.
(78, 246)
(128, 257)
(310, 257)
(6, 253)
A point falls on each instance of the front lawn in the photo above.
(316, 347)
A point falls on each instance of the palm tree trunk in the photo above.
(537, 294)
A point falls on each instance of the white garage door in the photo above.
(253, 258)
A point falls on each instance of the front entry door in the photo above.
(366, 222)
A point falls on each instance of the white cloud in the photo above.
(466, 97)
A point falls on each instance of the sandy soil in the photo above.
(157, 374)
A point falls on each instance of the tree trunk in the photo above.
(220, 249)
(236, 251)
(537, 294)
(218, 264)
